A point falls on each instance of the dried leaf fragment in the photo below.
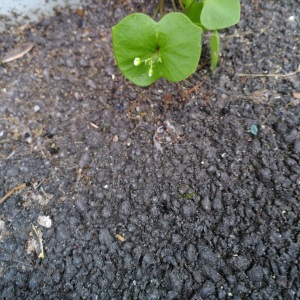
(2, 227)
(39, 237)
(44, 221)
(80, 12)
(165, 134)
(19, 51)
(31, 245)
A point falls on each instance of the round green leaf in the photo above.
(219, 14)
(146, 50)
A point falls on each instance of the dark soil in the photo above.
(154, 193)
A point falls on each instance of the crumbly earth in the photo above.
(153, 193)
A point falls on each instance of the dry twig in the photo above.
(270, 75)
(15, 189)
(19, 51)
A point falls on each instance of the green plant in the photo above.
(146, 50)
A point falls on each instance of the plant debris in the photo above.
(44, 221)
(296, 95)
(35, 242)
(120, 237)
(19, 51)
(15, 189)
(165, 134)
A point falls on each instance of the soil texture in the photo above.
(183, 190)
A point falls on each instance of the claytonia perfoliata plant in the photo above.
(146, 50)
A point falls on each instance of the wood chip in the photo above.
(15, 189)
(120, 237)
(296, 95)
(19, 51)
(80, 12)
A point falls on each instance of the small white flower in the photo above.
(150, 71)
(137, 61)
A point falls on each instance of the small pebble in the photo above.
(206, 204)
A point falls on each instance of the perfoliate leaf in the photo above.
(193, 11)
(215, 45)
(146, 50)
(219, 14)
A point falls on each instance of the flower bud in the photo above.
(150, 71)
(137, 61)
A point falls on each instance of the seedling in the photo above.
(146, 50)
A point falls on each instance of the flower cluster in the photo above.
(149, 61)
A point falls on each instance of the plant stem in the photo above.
(174, 5)
(181, 5)
(161, 7)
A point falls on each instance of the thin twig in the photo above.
(36, 188)
(40, 184)
(271, 75)
(194, 88)
(15, 189)
(203, 64)
(155, 12)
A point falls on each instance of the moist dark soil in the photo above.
(164, 192)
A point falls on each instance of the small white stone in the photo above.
(292, 18)
(36, 108)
